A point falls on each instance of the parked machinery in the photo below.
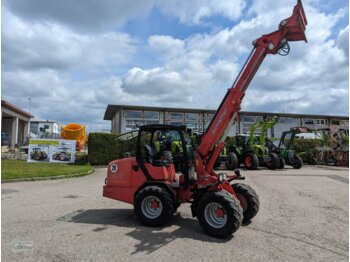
(38, 154)
(284, 148)
(333, 149)
(269, 122)
(152, 185)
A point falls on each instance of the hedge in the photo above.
(103, 148)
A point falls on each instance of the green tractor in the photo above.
(284, 148)
(38, 154)
(63, 154)
(251, 151)
(171, 142)
(269, 123)
(229, 158)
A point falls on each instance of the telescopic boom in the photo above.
(290, 29)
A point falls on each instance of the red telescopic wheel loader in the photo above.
(149, 181)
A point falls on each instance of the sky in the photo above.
(73, 58)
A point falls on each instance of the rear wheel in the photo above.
(297, 162)
(153, 206)
(251, 161)
(274, 162)
(249, 200)
(62, 156)
(232, 161)
(282, 162)
(219, 214)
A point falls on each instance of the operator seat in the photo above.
(151, 157)
(150, 154)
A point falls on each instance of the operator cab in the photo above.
(154, 149)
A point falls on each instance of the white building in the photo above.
(125, 118)
(44, 129)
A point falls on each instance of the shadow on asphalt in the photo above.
(150, 238)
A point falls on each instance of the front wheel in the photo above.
(219, 214)
(282, 162)
(232, 161)
(249, 200)
(274, 162)
(251, 161)
(297, 162)
(153, 206)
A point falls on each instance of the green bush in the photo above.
(103, 148)
(304, 145)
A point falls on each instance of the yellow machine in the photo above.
(75, 132)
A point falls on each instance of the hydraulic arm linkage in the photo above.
(290, 29)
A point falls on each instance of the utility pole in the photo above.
(30, 104)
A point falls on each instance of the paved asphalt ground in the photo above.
(303, 217)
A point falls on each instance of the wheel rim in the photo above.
(269, 162)
(62, 157)
(215, 215)
(243, 202)
(151, 207)
(248, 161)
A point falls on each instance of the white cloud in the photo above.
(196, 11)
(343, 41)
(87, 16)
(52, 46)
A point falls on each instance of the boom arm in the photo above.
(253, 127)
(267, 124)
(290, 29)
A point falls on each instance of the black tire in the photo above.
(230, 207)
(62, 156)
(274, 162)
(168, 156)
(282, 162)
(167, 206)
(232, 161)
(253, 163)
(297, 162)
(249, 200)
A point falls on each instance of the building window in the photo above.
(151, 122)
(281, 120)
(309, 121)
(248, 119)
(192, 116)
(133, 114)
(335, 122)
(246, 128)
(177, 116)
(151, 115)
(177, 123)
(210, 117)
(344, 122)
(291, 121)
(320, 122)
(192, 125)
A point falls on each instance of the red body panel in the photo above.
(123, 180)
